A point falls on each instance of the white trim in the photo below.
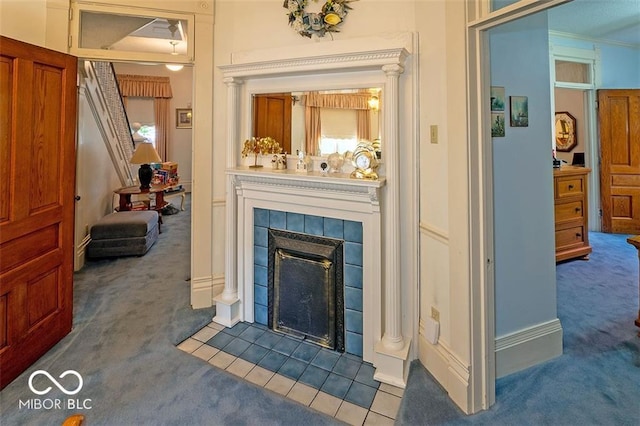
(81, 253)
(133, 56)
(202, 292)
(481, 390)
(528, 347)
(592, 39)
(448, 370)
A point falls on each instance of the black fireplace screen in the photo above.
(306, 297)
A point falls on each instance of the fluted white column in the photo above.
(227, 303)
(392, 338)
(234, 86)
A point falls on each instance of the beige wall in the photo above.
(572, 101)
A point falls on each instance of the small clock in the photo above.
(365, 161)
(566, 138)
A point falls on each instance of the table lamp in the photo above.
(145, 154)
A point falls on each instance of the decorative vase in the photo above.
(255, 163)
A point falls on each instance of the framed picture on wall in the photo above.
(497, 124)
(184, 117)
(519, 111)
(497, 98)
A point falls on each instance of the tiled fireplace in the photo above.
(343, 230)
(334, 207)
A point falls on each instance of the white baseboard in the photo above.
(528, 347)
(78, 262)
(448, 370)
(205, 289)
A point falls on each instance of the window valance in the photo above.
(340, 101)
(144, 86)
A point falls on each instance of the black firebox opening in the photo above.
(305, 288)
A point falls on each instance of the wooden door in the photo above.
(619, 122)
(37, 180)
(272, 117)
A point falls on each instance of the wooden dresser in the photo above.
(571, 212)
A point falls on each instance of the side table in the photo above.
(180, 192)
(155, 199)
(154, 195)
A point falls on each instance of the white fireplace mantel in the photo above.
(337, 197)
(368, 62)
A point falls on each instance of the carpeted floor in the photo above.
(597, 379)
(130, 313)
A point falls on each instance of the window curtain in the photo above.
(312, 129)
(156, 87)
(363, 124)
(313, 101)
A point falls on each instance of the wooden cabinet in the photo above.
(571, 212)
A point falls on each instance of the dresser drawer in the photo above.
(569, 211)
(569, 237)
(569, 186)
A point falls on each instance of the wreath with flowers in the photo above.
(332, 14)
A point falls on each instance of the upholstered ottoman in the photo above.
(130, 233)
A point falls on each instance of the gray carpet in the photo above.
(597, 379)
(129, 313)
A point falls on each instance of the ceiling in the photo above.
(606, 20)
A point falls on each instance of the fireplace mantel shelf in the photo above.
(290, 177)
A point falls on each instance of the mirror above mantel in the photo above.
(361, 64)
(319, 122)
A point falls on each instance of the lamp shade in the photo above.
(145, 153)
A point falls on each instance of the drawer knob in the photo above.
(570, 187)
(578, 209)
(578, 235)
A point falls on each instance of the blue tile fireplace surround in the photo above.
(348, 231)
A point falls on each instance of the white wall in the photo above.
(180, 149)
(96, 178)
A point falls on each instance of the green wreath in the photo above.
(306, 24)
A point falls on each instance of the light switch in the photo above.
(434, 133)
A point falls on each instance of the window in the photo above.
(338, 130)
(149, 133)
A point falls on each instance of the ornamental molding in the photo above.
(361, 61)
(353, 189)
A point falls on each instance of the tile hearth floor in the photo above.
(340, 385)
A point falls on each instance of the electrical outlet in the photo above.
(435, 314)
(434, 133)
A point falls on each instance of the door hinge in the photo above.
(70, 39)
(597, 104)
(71, 14)
(600, 212)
